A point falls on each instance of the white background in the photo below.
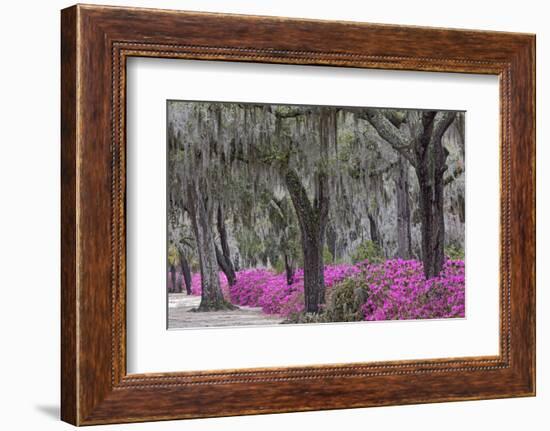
(29, 219)
(151, 348)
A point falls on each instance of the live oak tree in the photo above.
(176, 228)
(417, 137)
(193, 189)
(200, 209)
(311, 211)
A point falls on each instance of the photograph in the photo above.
(295, 214)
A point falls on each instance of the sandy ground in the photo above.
(180, 316)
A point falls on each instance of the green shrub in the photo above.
(173, 255)
(343, 304)
(345, 300)
(454, 252)
(368, 250)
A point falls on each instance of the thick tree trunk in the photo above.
(289, 270)
(430, 172)
(185, 272)
(211, 295)
(313, 217)
(438, 233)
(312, 222)
(314, 277)
(421, 146)
(432, 226)
(404, 249)
(224, 255)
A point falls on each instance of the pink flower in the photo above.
(397, 289)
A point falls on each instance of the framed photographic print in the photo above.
(266, 215)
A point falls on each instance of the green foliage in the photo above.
(346, 298)
(368, 250)
(327, 255)
(454, 252)
(278, 265)
(343, 304)
(173, 255)
(250, 246)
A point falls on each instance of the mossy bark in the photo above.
(200, 212)
(313, 216)
(404, 249)
(430, 167)
(185, 271)
(420, 143)
(289, 270)
(223, 256)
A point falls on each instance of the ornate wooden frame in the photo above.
(95, 43)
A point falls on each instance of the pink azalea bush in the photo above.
(396, 289)
(270, 291)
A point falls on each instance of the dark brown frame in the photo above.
(95, 43)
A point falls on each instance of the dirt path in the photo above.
(180, 316)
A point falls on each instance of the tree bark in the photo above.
(430, 167)
(289, 270)
(179, 283)
(223, 256)
(173, 277)
(185, 271)
(404, 249)
(312, 222)
(313, 217)
(200, 214)
(374, 233)
(332, 239)
(226, 267)
(432, 231)
(423, 148)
